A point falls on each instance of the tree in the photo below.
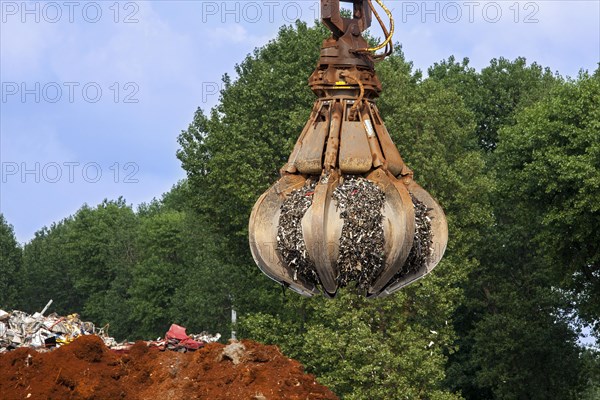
(159, 270)
(516, 328)
(553, 153)
(234, 155)
(204, 298)
(48, 271)
(181, 276)
(591, 358)
(364, 349)
(497, 93)
(101, 244)
(10, 265)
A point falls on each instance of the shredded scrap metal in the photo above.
(421, 249)
(362, 242)
(290, 240)
(361, 256)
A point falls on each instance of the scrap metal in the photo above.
(19, 329)
(421, 250)
(44, 333)
(361, 253)
(290, 239)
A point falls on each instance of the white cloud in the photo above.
(233, 33)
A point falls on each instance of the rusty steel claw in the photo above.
(322, 227)
(322, 223)
(264, 220)
(439, 236)
(398, 225)
(346, 208)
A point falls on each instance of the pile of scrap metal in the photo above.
(176, 339)
(43, 333)
(19, 329)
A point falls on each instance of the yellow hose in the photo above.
(389, 14)
(391, 34)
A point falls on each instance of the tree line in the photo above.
(512, 153)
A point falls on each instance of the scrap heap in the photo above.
(290, 241)
(361, 255)
(19, 329)
(43, 333)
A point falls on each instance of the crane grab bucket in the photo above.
(346, 210)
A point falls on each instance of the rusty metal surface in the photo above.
(439, 228)
(395, 164)
(310, 156)
(333, 142)
(374, 146)
(332, 17)
(322, 227)
(290, 166)
(263, 234)
(439, 224)
(355, 154)
(399, 227)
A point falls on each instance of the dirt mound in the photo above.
(87, 369)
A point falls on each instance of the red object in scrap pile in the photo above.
(177, 338)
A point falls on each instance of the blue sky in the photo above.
(94, 94)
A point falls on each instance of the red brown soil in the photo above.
(86, 369)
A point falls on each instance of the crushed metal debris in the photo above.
(362, 243)
(421, 249)
(362, 255)
(44, 333)
(290, 240)
(19, 329)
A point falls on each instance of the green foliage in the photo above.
(158, 270)
(591, 358)
(138, 272)
(428, 121)
(101, 247)
(433, 130)
(519, 337)
(439, 124)
(554, 153)
(363, 349)
(516, 327)
(497, 92)
(10, 265)
(88, 259)
(46, 259)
